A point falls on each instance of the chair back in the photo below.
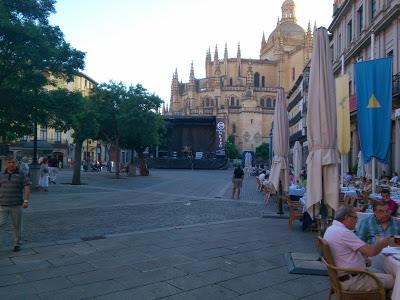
(329, 262)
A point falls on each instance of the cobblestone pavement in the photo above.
(172, 235)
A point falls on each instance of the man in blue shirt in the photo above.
(379, 224)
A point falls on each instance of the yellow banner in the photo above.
(343, 114)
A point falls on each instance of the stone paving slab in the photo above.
(244, 260)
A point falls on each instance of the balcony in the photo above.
(295, 119)
(298, 136)
(396, 84)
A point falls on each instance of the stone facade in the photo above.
(362, 30)
(243, 91)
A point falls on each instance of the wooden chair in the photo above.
(336, 288)
(295, 210)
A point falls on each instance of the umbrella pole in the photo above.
(280, 203)
(373, 175)
(341, 169)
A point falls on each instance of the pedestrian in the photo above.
(44, 175)
(237, 180)
(53, 170)
(14, 194)
(24, 166)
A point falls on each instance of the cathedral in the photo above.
(242, 91)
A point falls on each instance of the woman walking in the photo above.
(44, 175)
(237, 180)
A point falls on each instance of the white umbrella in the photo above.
(280, 143)
(297, 159)
(360, 165)
(322, 161)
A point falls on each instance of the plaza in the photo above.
(172, 235)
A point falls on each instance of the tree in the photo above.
(230, 149)
(81, 116)
(30, 50)
(262, 152)
(144, 127)
(109, 98)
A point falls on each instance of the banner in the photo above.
(374, 105)
(220, 128)
(343, 114)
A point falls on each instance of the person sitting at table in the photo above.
(350, 252)
(302, 182)
(395, 178)
(368, 186)
(380, 223)
(393, 206)
(261, 178)
(292, 179)
(348, 177)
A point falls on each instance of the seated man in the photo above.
(380, 223)
(349, 251)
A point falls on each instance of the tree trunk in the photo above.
(144, 171)
(118, 162)
(76, 177)
(132, 166)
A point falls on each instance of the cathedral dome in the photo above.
(287, 28)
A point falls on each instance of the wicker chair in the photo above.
(295, 210)
(336, 288)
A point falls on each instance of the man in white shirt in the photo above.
(349, 251)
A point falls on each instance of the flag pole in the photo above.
(373, 158)
(341, 155)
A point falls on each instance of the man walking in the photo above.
(14, 193)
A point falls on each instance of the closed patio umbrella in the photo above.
(297, 159)
(360, 166)
(280, 143)
(322, 161)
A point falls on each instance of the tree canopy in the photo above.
(30, 50)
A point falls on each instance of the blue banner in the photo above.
(374, 107)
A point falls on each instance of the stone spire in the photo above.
(208, 62)
(238, 61)
(263, 41)
(217, 70)
(315, 26)
(289, 12)
(249, 79)
(191, 77)
(226, 60)
(226, 51)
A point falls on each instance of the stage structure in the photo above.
(193, 143)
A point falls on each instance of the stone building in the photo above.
(359, 29)
(242, 91)
(56, 143)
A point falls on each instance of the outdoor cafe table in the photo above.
(390, 264)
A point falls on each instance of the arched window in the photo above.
(269, 103)
(207, 102)
(237, 102)
(273, 103)
(230, 81)
(233, 128)
(257, 79)
(232, 101)
(262, 102)
(263, 81)
(212, 102)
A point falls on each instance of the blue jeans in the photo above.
(15, 212)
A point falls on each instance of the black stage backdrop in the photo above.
(198, 134)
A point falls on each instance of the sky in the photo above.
(143, 41)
